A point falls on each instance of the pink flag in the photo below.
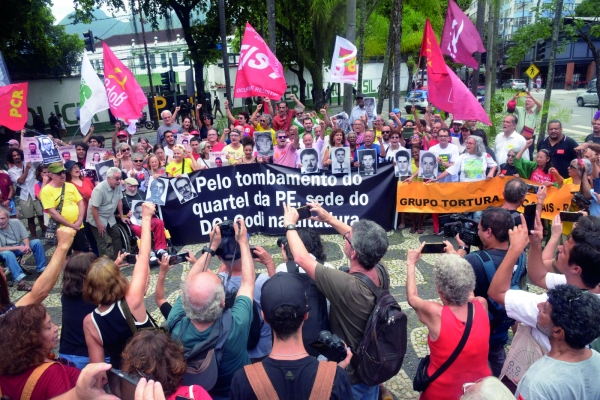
(259, 72)
(445, 90)
(125, 96)
(460, 38)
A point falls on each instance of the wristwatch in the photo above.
(465, 248)
(208, 250)
(290, 227)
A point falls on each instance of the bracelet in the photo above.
(465, 248)
(208, 250)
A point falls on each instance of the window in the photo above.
(175, 59)
(142, 61)
(153, 60)
(163, 60)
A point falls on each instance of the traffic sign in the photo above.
(532, 71)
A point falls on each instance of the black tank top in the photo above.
(72, 338)
(114, 331)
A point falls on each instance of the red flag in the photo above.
(445, 90)
(13, 106)
(460, 38)
(125, 96)
(259, 72)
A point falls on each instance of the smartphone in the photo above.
(131, 258)
(179, 258)
(570, 216)
(522, 94)
(122, 385)
(433, 248)
(532, 189)
(529, 214)
(596, 185)
(303, 212)
(408, 132)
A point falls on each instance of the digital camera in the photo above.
(466, 228)
(580, 201)
(331, 346)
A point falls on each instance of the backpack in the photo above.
(204, 358)
(499, 321)
(318, 319)
(380, 353)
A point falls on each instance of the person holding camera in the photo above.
(352, 302)
(200, 309)
(493, 232)
(285, 309)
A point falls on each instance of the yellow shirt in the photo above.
(233, 155)
(174, 168)
(568, 226)
(50, 197)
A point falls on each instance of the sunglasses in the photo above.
(126, 149)
(138, 160)
(281, 137)
(348, 239)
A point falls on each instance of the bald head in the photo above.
(203, 297)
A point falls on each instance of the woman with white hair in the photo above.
(471, 166)
(183, 162)
(490, 388)
(459, 314)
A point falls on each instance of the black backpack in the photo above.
(318, 319)
(380, 353)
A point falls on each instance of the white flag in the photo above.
(92, 96)
(343, 64)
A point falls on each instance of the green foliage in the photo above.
(588, 8)
(525, 38)
(376, 32)
(33, 47)
(414, 14)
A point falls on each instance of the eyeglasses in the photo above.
(60, 173)
(126, 149)
(385, 131)
(281, 137)
(263, 121)
(345, 235)
(511, 156)
(138, 160)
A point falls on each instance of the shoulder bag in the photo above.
(422, 379)
(50, 237)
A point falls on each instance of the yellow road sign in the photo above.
(532, 71)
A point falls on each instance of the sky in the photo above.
(62, 8)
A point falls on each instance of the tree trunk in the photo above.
(300, 73)
(383, 86)
(360, 54)
(550, 77)
(351, 37)
(225, 56)
(271, 21)
(490, 66)
(397, 16)
(480, 26)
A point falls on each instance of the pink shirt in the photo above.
(285, 156)
(218, 147)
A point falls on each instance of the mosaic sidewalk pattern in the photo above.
(395, 260)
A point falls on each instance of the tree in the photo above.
(588, 30)
(365, 14)
(32, 46)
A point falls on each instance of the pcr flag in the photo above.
(343, 64)
(259, 72)
(13, 106)
(125, 96)
(445, 90)
(92, 97)
(460, 38)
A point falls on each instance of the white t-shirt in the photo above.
(390, 154)
(522, 306)
(472, 168)
(503, 145)
(449, 154)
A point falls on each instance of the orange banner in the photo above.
(458, 197)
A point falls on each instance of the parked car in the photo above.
(589, 97)
(592, 84)
(517, 84)
(418, 98)
(481, 94)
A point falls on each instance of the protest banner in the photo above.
(459, 197)
(256, 193)
(13, 106)
(31, 151)
(94, 156)
(67, 153)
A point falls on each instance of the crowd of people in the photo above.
(232, 333)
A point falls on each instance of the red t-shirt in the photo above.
(196, 156)
(85, 190)
(5, 185)
(284, 123)
(218, 147)
(540, 177)
(248, 131)
(56, 380)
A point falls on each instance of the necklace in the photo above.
(288, 355)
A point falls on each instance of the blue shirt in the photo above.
(373, 146)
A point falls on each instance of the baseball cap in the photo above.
(56, 167)
(511, 106)
(360, 96)
(283, 289)
(396, 110)
(13, 141)
(194, 132)
(458, 121)
(70, 164)
(131, 181)
(122, 133)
